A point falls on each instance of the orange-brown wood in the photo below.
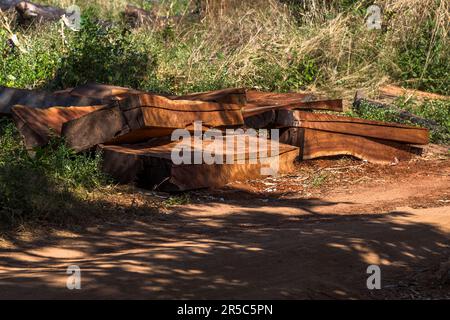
(353, 126)
(316, 143)
(255, 102)
(140, 117)
(37, 125)
(101, 91)
(150, 164)
(232, 95)
(391, 91)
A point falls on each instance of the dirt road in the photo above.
(242, 244)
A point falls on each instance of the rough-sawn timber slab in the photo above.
(353, 126)
(138, 118)
(150, 165)
(317, 143)
(37, 125)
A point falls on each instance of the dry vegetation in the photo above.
(274, 45)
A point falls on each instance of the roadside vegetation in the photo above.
(436, 110)
(266, 44)
(46, 185)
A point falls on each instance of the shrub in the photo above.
(46, 185)
(104, 54)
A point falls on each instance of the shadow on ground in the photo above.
(246, 252)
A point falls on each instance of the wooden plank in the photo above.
(140, 117)
(294, 100)
(354, 126)
(391, 91)
(149, 165)
(40, 99)
(256, 102)
(273, 98)
(37, 125)
(231, 95)
(264, 120)
(101, 91)
(316, 143)
(250, 110)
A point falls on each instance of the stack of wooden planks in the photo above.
(133, 130)
(320, 135)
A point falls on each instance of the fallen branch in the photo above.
(29, 12)
(402, 114)
(391, 91)
(8, 4)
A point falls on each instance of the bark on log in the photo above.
(8, 4)
(41, 99)
(402, 114)
(138, 17)
(30, 12)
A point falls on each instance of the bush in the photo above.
(104, 54)
(45, 185)
(35, 67)
(423, 64)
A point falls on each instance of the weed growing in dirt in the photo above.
(178, 200)
(318, 180)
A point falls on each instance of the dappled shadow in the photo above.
(233, 252)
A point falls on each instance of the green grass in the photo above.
(46, 186)
(436, 110)
(423, 64)
(178, 200)
(255, 46)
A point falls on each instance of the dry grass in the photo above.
(238, 39)
(266, 43)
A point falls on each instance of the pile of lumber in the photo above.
(133, 130)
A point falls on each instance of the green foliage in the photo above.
(422, 63)
(178, 200)
(104, 54)
(33, 67)
(436, 110)
(43, 185)
(368, 111)
(296, 76)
